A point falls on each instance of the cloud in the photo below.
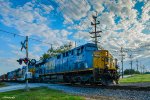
(73, 9)
(146, 11)
(82, 35)
(21, 17)
(31, 20)
(8, 64)
(97, 5)
(132, 34)
(47, 8)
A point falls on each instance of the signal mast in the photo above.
(95, 32)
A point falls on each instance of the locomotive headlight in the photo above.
(106, 53)
(106, 65)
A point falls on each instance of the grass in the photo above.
(2, 84)
(41, 93)
(137, 78)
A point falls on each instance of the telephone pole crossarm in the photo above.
(95, 32)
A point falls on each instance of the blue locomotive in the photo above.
(84, 64)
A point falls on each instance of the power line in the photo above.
(23, 36)
(11, 33)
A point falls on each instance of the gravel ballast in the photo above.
(95, 93)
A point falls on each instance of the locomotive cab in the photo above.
(103, 60)
(105, 69)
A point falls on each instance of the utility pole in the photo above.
(122, 57)
(70, 45)
(51, 51)
(25, 46)
(95, 23)
(131, 63)
(137, 64)
(143, 69)
(27, 88)
(75, 44)
(51, 47)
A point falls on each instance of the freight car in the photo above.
(4, 77)
(83, 64)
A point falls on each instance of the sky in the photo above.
(124, 23)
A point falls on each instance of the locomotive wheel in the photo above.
(116, 81)
(82, 82)
(72, 83)
(105, 81)
(72, 80)
(91, 81)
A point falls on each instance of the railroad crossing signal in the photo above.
(23, 45)
(20, 61)
(27, 61)
(32, 62)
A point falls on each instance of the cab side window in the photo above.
(80, 50)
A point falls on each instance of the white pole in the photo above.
(27, 88)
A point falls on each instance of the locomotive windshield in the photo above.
(106, 59)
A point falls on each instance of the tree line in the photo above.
(53, 52)
(132, 71)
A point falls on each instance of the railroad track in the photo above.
(114, 87)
